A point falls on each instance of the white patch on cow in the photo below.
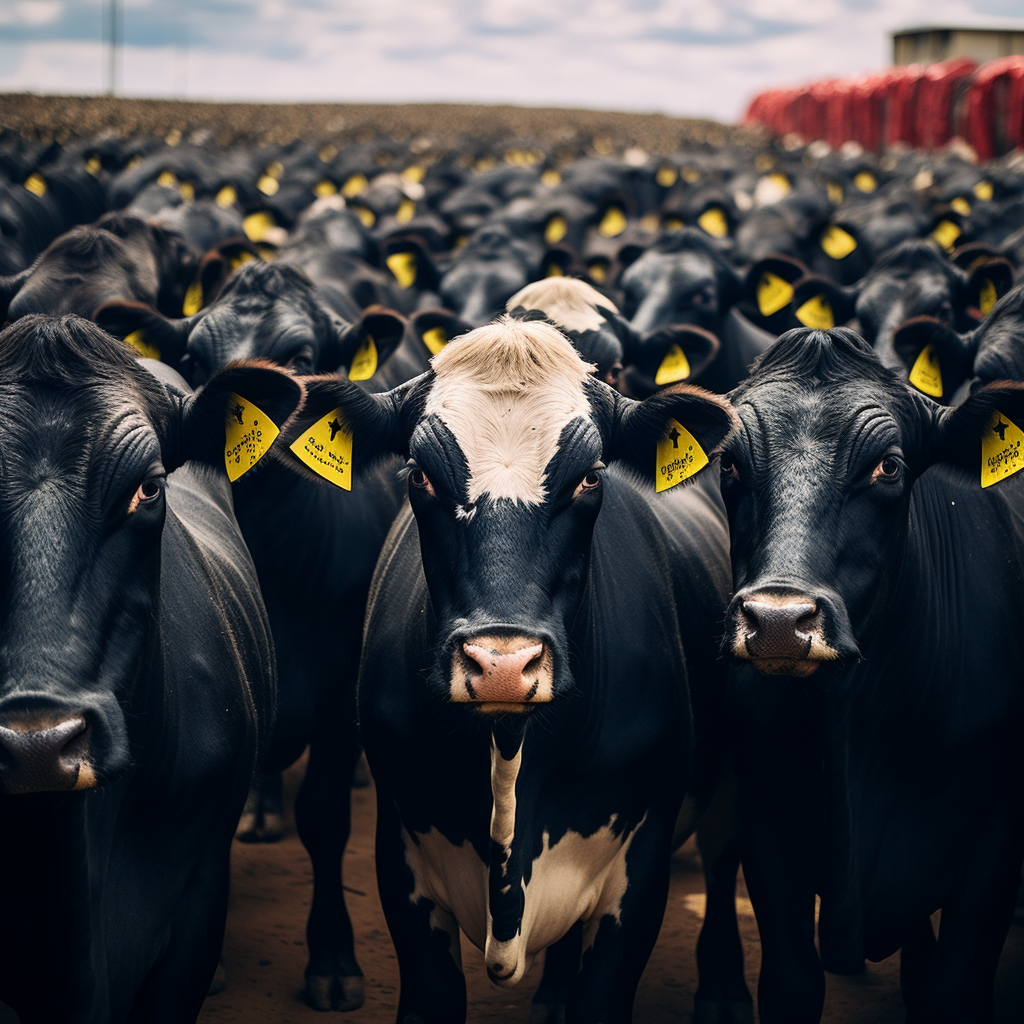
(567, 302)
(506, 391)
(465, 514)
(503, 790)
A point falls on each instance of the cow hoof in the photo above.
(331, 992)
(711, 1011)
(547, 1013)
(220, 979)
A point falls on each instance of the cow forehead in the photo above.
(506, 392)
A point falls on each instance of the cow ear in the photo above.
(343, 431)
(936, 358)
(149, 332)
(684, 352)
(821, 304)
(767, 295)
(671, 436)
(984, 434)
(411, 264)
(367, 345)
(235, 418)
(434, 328)
(987, 284)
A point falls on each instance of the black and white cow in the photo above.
(878, 692)
(136, 671)
(535, 619)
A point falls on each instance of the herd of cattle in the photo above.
(471, 558)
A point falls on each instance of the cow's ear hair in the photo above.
(936, 358)
(267, 393)
(641, 436)
(362, 427)
(983, 433)
(434, 328)
(148, 331)
(365, 346)
(697, 346)
(987, 283)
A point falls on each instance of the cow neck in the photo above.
(506, 896)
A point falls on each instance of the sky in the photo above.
(689, 57)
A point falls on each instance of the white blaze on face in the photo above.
(570, 303)
(506, 391)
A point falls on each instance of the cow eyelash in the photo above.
(148, 491)
(889, 470)
(591, 481)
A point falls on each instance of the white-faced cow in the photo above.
(878, 554)
(524, 703)
(136, 671)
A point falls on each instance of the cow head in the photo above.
(817, 481)
(88, 437)
(507, 438)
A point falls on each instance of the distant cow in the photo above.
(136, 666)
(878, 695)
(535, 619)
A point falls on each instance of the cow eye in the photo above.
(420, 481)
(148, 491)
(589, 483)
(889, 469)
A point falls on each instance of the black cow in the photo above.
(137, 671)
(523, 693)
(120, 257)
(873, 562)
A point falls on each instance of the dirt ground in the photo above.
(265, 948)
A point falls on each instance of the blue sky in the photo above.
(676, 56)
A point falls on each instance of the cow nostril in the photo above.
(37, 756)
(771, 627)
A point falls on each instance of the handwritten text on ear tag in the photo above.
(326, 447)
(249, 433)
(364, 362)
(926, 374)
(679, 457)
(1002, 453)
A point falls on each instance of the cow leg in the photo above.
(957, 986)
(561, 965)
(722, 996)
(323, 817)
(262, 820)
(618, 952)
(426, 938)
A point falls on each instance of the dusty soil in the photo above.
(45, 118)
(265, 950)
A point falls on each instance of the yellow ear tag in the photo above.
(406, 211)
(226, 197)
(961, 206)
(551, 177)
(187, 191)
(555, 230)
(167, 178)
(435, 339)
(773, 293)
(672, 224)
(837, 243)
(248, 434)
(673, 367)
(946, 233)
(865, 181)
(36, 184)
(554, 270)
(781, 182)
(714, 223)
(679, 457)
(94, 165)
(414, 173)
(403, 266)
(835, 193)
(327, 449)
(354, 185)
(666, 176)
(256, 225)
(137, 340)
(173, 137)
(690, 175)
(325, 187)
(649, 222)
(275, 169)
(925, 374)
(987, 296)
(366, 215)
(268, 185)
(193, 299)
(983, 190)
(236, 261)
(613, 223)
(598, 271)
(1001, 451)
(328, 153)
(364, 363)
(816, 312)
